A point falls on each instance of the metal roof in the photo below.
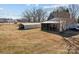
(55, 20)
(51, 22)
(30, 23)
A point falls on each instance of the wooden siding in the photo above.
(50, 27)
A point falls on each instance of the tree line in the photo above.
(35, 15)
(40, 15)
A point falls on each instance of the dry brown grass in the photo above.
(13, 40)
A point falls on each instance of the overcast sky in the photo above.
(16, 10)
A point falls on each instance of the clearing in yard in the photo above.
(13, 40)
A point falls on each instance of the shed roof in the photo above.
(54, 20)
(51, 22)
(30, 23)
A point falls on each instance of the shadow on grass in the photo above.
(67, 33)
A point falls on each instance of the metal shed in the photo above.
(29, 25)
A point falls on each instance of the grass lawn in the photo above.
(34, 41)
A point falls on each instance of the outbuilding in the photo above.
(61, 21)
(29, 25)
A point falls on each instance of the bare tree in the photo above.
(41, 14)
(35, 15)
(73, 8)
(27, 15)
(59, 9)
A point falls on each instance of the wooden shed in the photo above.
(58, 24)
(29, 25)
(60, 21)
(53, 25)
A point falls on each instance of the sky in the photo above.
(16, 10)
